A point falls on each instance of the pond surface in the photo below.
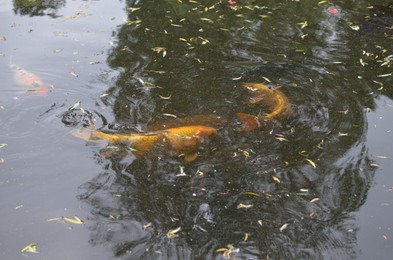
(316, 185)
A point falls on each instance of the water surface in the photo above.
(315, 186)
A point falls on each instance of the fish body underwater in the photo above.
(183, 140)
(276, 101)
(29, 80)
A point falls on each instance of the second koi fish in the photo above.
(183, 140)
(31, 81)
(275, 100)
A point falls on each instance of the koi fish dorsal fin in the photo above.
(250, 122)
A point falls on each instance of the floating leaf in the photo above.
(382, 156)
(314, 200)
(252, 193)
(283, 227)
(312, 163)
(276, 179)
(170, 115)
(74, 74)
(172, 233)
(3, 145)
(166, 98)
(245, 237)
(76, 105)
(244, 206)
(30, 248)
(384, 75)
(74, 220)
(147, 226)
(206, 20)
(303, 24)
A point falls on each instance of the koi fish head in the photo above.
(253, 87)
(250, 122)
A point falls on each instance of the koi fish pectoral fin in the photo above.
(250, 122)
(189, 157)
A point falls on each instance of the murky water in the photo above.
(314, 186)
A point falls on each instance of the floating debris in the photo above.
(30, 248)
(244, 206)
(173, 233)
(283, 227)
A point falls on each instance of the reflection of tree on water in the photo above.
(37, 7)
(272, 203)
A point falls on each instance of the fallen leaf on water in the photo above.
(77, 104)
(74, 74)
(30, 248)
(385, 237)
(382, 156)
(172, 233)
(2, 38)
(206, 20)
(252, 193)
(303, 24)
(312, 163)
(170, 115)
(314, 200)
(245, 237)
(244, 206)
(276, 179)
(3, 145)
(166, 98)
(74, 220)
(227, 251)
(384, 75)
(283, 227)
(147, 226)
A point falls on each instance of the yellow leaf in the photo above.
(276, 179)
(74, 220)
(172, 233)
(30, 248)
(312, 163)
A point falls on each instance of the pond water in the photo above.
(316, 185)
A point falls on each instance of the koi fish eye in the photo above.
(270, 87)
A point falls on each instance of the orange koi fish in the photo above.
(29, 80)
(183, 140)
(275, 100)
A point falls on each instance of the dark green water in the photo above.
(320, 193)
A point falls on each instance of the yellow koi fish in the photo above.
(275, 100)
(29, 80)
(183, 140)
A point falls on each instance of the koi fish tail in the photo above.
(250, 122)
(84, 133)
